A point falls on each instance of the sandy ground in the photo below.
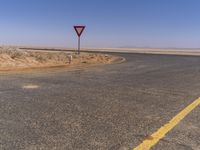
(164, 51)
(12, 58)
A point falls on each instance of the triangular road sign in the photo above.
(79, 30)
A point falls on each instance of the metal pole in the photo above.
(79, 45)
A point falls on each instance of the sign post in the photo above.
(79, 30)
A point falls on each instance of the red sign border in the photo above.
(79, 34)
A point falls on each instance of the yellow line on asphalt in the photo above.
(152, 140)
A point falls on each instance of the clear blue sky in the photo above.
(110, 23)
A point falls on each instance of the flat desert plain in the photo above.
(166, 51)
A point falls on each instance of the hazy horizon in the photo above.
(75, 47)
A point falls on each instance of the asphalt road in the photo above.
(112, 107)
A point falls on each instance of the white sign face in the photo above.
(79, 30)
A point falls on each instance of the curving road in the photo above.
(113, 107)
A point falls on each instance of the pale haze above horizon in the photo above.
(109, 23)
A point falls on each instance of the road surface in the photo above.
(108, 107)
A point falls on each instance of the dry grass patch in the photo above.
(12, 58)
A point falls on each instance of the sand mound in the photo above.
(13, 59)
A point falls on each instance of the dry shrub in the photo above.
(14, 53)
(42, 57)
(38, 56)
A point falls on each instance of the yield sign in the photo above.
(79, 30)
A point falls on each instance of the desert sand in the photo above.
(12, 58)
(164, 51)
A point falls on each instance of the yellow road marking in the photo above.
(150, 141)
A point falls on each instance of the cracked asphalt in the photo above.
(106, 107)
